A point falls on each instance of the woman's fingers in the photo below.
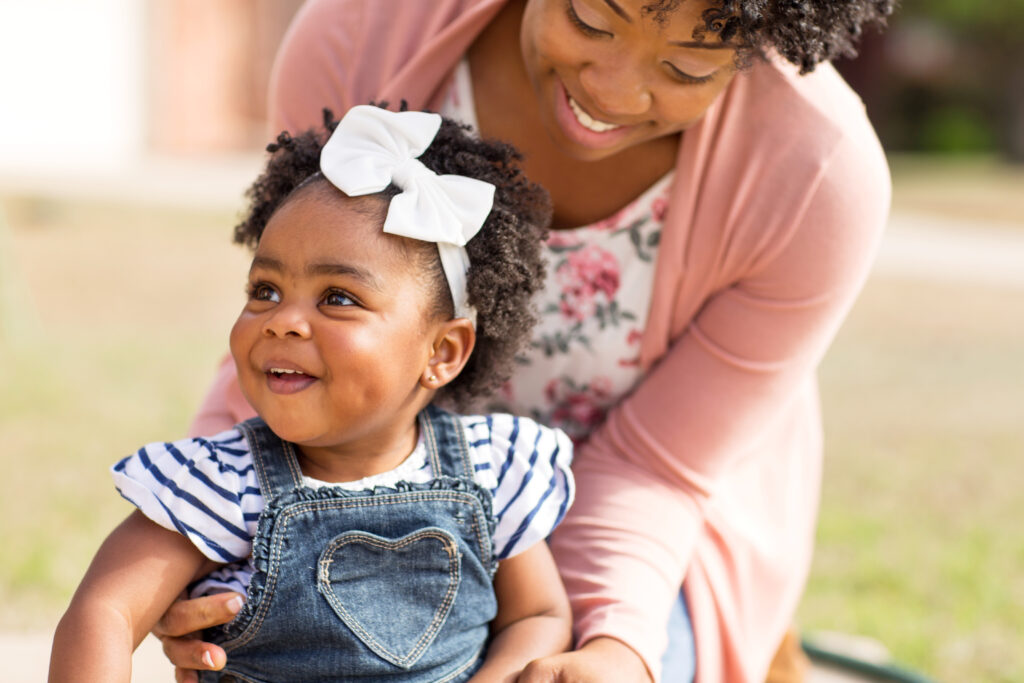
(600, 660)
(188, 616)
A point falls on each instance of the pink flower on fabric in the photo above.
(578, 409)
(632, 339)
(582, 276)
(612, 222)
(659, 207)
(562, 238)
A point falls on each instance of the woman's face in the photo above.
(607, 76)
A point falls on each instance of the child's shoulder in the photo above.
(525, 465)
(505, 432)
(204, 487)
(218, 462)
(227, 448)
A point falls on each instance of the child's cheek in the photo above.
(240, 342)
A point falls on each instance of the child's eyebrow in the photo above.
(314, 269)
(364, 276)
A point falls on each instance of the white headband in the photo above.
(372, 148)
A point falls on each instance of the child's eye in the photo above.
(337, 297)
(261, 291)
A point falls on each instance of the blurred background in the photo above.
(129, 129)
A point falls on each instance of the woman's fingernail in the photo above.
(207, 660)
(235, 604)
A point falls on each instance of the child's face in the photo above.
(333, 340)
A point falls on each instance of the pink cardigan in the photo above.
(708, 475)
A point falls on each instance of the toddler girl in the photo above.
(376, 536)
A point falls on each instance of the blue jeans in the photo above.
(679, 663)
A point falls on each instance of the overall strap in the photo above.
(445, 438)
(274, 459)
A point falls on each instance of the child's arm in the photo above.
(534, 618)
(137, 572)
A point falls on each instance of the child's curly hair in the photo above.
(506, 266)
(805, 32)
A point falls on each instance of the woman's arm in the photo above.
(647, 479)
(533, 619)
(137, 572)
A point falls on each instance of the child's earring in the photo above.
(432, 379)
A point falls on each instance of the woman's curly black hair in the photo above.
(506, 266)
(805, 32)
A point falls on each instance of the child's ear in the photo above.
(453, 345)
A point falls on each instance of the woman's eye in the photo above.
(336, 297)
(263, 292)
(586, 28)
(684, 77)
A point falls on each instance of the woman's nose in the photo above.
(287, 321)
(617, 87)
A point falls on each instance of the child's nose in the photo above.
(288, 321)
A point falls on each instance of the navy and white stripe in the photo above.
(207, 490)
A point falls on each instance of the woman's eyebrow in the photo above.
(618, 10)
(701, 44)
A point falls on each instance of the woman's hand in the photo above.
(599, 661)
(179, 627)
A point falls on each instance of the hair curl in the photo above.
(805, 32)
(506, 265)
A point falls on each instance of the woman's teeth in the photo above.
(587, 121)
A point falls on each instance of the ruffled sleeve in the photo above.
(203, 488)
(526, 467)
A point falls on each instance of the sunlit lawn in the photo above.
(113, 319)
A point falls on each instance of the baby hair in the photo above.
(506, 266)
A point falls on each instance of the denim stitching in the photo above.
(431, 441)
(292, 460)
(444, 608)
(414, 496)
(462, 668)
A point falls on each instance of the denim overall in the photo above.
(393, 584)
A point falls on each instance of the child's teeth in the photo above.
(587, 121)
(282, 371)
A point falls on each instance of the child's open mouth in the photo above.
(285, 381)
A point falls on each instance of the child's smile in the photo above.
(333, 342)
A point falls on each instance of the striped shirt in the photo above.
(207, 489)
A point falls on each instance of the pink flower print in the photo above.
(578, 410)
(583, 275)
(506, 392)
(612, 222)
(659, 207)
(562, 239)
(632, 339)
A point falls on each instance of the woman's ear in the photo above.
(453, 345)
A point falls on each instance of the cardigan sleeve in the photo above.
(315, 66)
(645, 475)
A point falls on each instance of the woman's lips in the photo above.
(582, 128)
(287, 381)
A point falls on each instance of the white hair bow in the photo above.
(372, 148)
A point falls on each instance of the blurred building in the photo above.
(100, 83)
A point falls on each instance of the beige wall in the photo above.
(209, 65)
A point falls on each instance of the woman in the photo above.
(747, 200)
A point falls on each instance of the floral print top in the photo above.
(584, 356)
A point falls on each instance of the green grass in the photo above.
(122, 314)
(920, 543)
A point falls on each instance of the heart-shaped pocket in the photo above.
(394, 594)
